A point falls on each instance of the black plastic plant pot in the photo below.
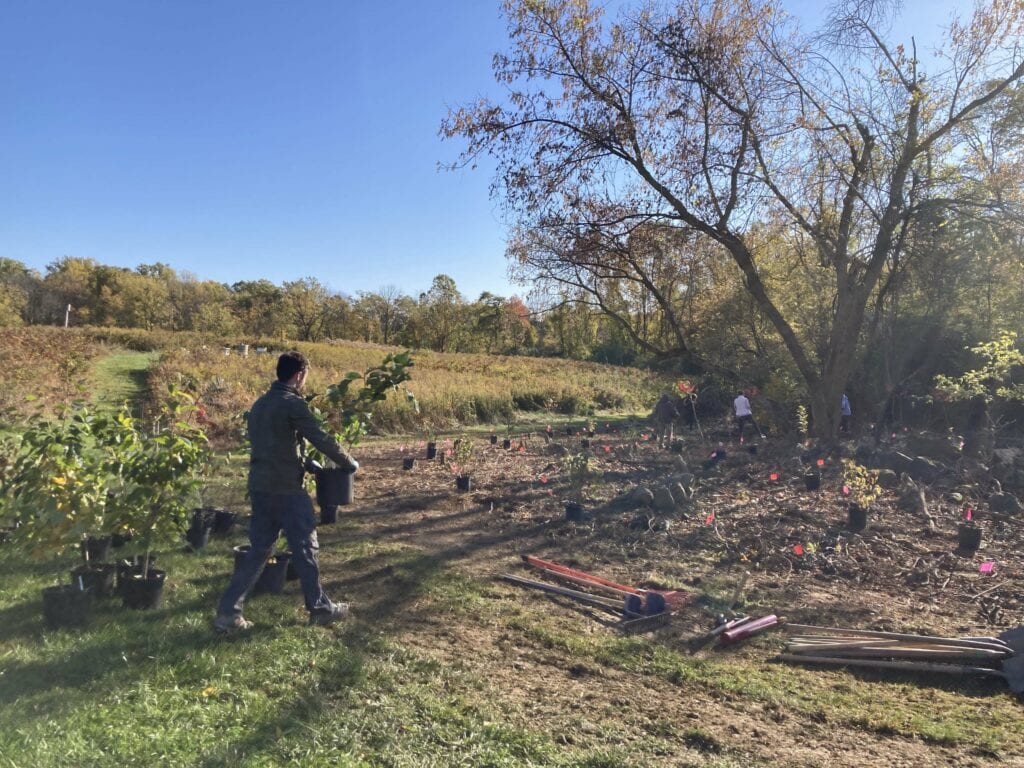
(812, 481)
(95, 549)
(223, 521)
(752, 450)
(494, 439)
(584, 443)
(273, 576)
(198, 537)
(334, 487)
(118, 540)
(506, 443)
(568, 431)
(464, 482)
(431, 450)
(969, 536)
(574, 511)
(408, 463)
(144, 593)
(99, 577)
(677, 446)
(240, 553)
(128, 567)
(857, 518)
(67, 606)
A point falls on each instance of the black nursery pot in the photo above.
(95, 549)
(223, 521)
(408, 463)
(198, 536)
(67, 606)
(431, 450)
(584, 443)
(273, 576)
(677, 446)
(969, 536)
(506, 443)
(98, 577)
(126, 568)
(334, 487)
(118, 540)
(328, 515)
(464, 482)
(494, 439)
(857, 518)
(144, 593)
(812, 480)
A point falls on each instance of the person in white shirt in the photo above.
(743, 413)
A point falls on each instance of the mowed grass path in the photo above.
(121, 378)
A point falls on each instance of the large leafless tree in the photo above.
(720, 115)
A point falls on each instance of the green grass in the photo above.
(159, 688)
(122, 377)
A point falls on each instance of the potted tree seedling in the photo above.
(510, 427)
(578, 472)
(347, 409)
(860, 485)
(161, 478)
(969, 532)
(430, 436)
(462, 461)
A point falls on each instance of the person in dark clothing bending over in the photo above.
(277, 423)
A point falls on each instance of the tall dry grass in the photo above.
(453, 390)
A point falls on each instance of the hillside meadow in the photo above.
(44, 366)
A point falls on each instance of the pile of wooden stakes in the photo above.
(983, 656)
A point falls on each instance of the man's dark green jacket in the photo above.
(278, 422)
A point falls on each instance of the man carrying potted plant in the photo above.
(277, 423)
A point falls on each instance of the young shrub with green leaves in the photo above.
(86, 473)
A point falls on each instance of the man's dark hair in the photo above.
(289, 364)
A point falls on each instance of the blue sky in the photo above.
(240, 139)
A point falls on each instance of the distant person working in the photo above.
(665, 414)
(845, 413)
(744, 415)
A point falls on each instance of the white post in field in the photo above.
(67, 315)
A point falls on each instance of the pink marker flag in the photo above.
(543, 479)
(987, 566)
(798, 549)
(846, 490)
(970, 514)
(709, 519)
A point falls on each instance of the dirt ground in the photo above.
(895, 575)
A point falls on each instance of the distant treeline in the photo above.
(157, 297)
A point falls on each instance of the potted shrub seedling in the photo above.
(969, 532)
(430, 435)
(510, 426)
(161, 479)
(860, 485)
(462, 459)
(57, 489)
(347, 409)
(578, 471)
